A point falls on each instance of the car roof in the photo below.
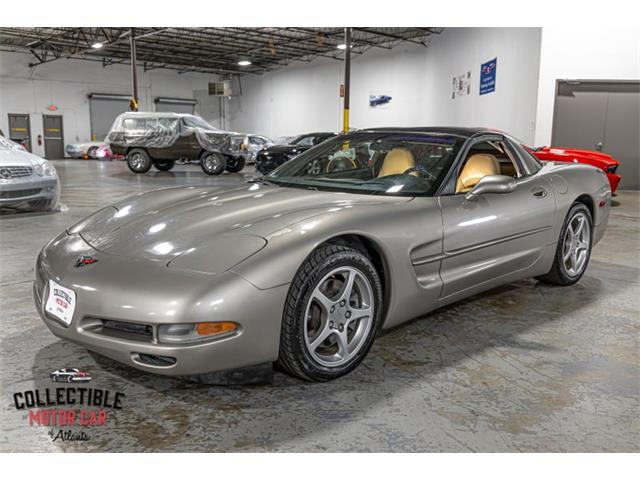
(157, 114)
(459, 131)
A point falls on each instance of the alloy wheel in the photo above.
(576, 244)
(338, 316)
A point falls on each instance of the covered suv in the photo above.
(159, 139)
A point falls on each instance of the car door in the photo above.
(494, 234)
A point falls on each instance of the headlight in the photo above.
(44, 169)
(48, 170)
(194, 332)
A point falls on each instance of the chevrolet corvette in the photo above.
(306, 265)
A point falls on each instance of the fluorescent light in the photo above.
(97, 45)
(342, 46)
(244, 63)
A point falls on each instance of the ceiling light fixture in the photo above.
(97, 45)
(244, 63)
(342, 46)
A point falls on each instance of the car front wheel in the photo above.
(213, 163)
(138, 160)
(332, 314)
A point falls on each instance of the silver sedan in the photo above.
(26, 180)
(304, 267)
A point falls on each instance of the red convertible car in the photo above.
(597, 159)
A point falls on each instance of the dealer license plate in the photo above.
(61, 302)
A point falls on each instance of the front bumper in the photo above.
(17, 191)
(146, 294)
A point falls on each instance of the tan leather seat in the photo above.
(396, 162)
(478, 165)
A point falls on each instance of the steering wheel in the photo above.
(330, 168)
(421, 173)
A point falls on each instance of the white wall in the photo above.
(587, 54)
(305, 97)
(66, 83)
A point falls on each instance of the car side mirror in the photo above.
(492, 184)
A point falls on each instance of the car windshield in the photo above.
(197, 122)
(385, 163)
(308, 140)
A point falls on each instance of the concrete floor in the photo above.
(526, 367)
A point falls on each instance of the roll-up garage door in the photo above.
(105, 107)
(176, 105)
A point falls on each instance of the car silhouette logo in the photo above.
(70, 375)
(84, 261)
(5, 173)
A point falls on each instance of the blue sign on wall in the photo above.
(488, 76)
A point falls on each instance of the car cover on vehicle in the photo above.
(161, 130)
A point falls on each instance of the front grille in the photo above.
(29, 192)
(156, 360)
(133, 331)
(16, 172)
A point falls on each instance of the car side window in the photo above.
(257, 140)
(488, 157)
(306, 141)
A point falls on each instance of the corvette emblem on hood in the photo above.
(84, 260)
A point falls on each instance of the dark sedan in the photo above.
(270, 158)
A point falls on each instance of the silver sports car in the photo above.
(305, 266)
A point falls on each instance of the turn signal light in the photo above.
(215, 328)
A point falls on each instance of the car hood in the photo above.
(163, 224)
(284, 149)
(18, 157)
(562, 154)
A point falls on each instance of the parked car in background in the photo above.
(252, 144)
(26, 180)
(83, 150)
(272, 157)
(149, 139)
(574, 155)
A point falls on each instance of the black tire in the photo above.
(164, 166)
(294, 356)
(69, 379)
(559, 273)
(138, 160)
(91, 152)
(213, 163)
(235, 165)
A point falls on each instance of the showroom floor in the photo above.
(523, 367)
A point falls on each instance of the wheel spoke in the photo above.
(347, 288)
(578, 230)
(324, 301)
(343, 344)
(357, 313)
(322, 336)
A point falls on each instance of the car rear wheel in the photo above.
(213, 163)
(91, 152)
(138, 160)
(164, 166)
(574, 248)
(235, 165)
(332, 314)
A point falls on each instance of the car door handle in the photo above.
(539, 192)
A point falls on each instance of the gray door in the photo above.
(53, 136)
(602, 116)
(104, 109)
(20, 129)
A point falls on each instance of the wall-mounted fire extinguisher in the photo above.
(39, 140)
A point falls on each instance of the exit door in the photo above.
(53, 136)
(601, 116)
(20, 129)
